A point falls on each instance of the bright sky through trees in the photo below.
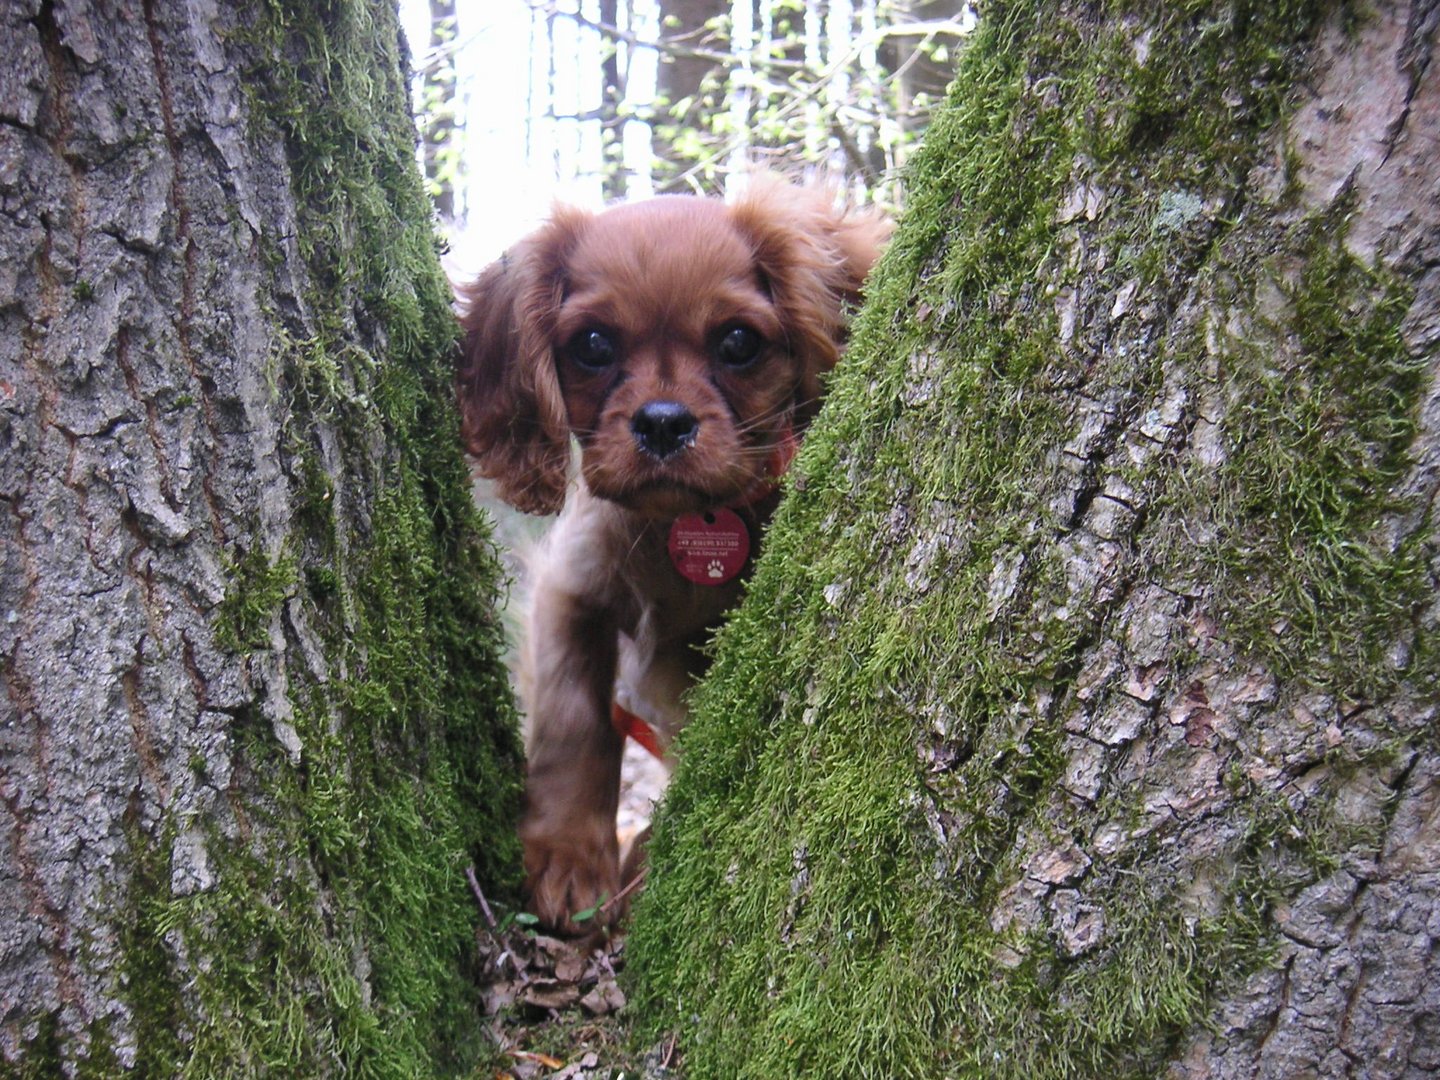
(511, 172)
(529, 102)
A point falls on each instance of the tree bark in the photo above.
(252, 726)
(1081, 716)
(612, 95)
(680, 80)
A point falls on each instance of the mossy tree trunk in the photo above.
(253, 727)
(1081, 717)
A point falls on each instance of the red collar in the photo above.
(631, 726)
(782, 455)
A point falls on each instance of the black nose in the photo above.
(663, 428)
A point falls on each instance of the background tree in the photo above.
(686, 80)
(722, 84)
(843, 83)
(920, 62)
(441, 136)
(612, 97)
(252, 726)
(1081, 717)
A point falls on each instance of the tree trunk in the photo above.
(252, 726)
(680, 80)
(612, 95)
(1081, 716)
(440, 136)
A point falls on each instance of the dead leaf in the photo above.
(540, 1059)
(606, 998)
(550, 994)
(570, 968)
(586, 1066)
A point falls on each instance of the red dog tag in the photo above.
(709, 548)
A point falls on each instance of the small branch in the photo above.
(666, 46)
(480, 897)
(635, 883)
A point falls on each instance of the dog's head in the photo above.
(680, 340)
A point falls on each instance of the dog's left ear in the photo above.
(813, 256)
(512, 417)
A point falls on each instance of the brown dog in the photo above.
(681, 342)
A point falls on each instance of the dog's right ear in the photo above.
(512, 417)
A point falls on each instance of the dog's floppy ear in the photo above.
(512, 417)
(813, 257)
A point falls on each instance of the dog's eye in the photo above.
(592, 349)
(739, 346)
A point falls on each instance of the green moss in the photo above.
(253, 597)
(1306, 569)
(291, 987)
(158, 1010)
(879, 741)
(49, 1047)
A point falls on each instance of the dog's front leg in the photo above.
(573, 783)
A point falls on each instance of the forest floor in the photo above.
(554, 1005)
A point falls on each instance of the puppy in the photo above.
(681, 342)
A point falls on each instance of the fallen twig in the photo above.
(670, 1050)
(635, 883)
(480, 897)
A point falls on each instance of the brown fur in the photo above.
(663, 281)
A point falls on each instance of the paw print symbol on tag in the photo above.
(709, 548)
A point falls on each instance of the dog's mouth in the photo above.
(662, 497)
(663, 460)
(667, 489)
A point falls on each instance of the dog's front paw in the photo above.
(567, 876)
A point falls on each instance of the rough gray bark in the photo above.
(1081, 718)
(1353, 987)
(203, 487)
(121, 499)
